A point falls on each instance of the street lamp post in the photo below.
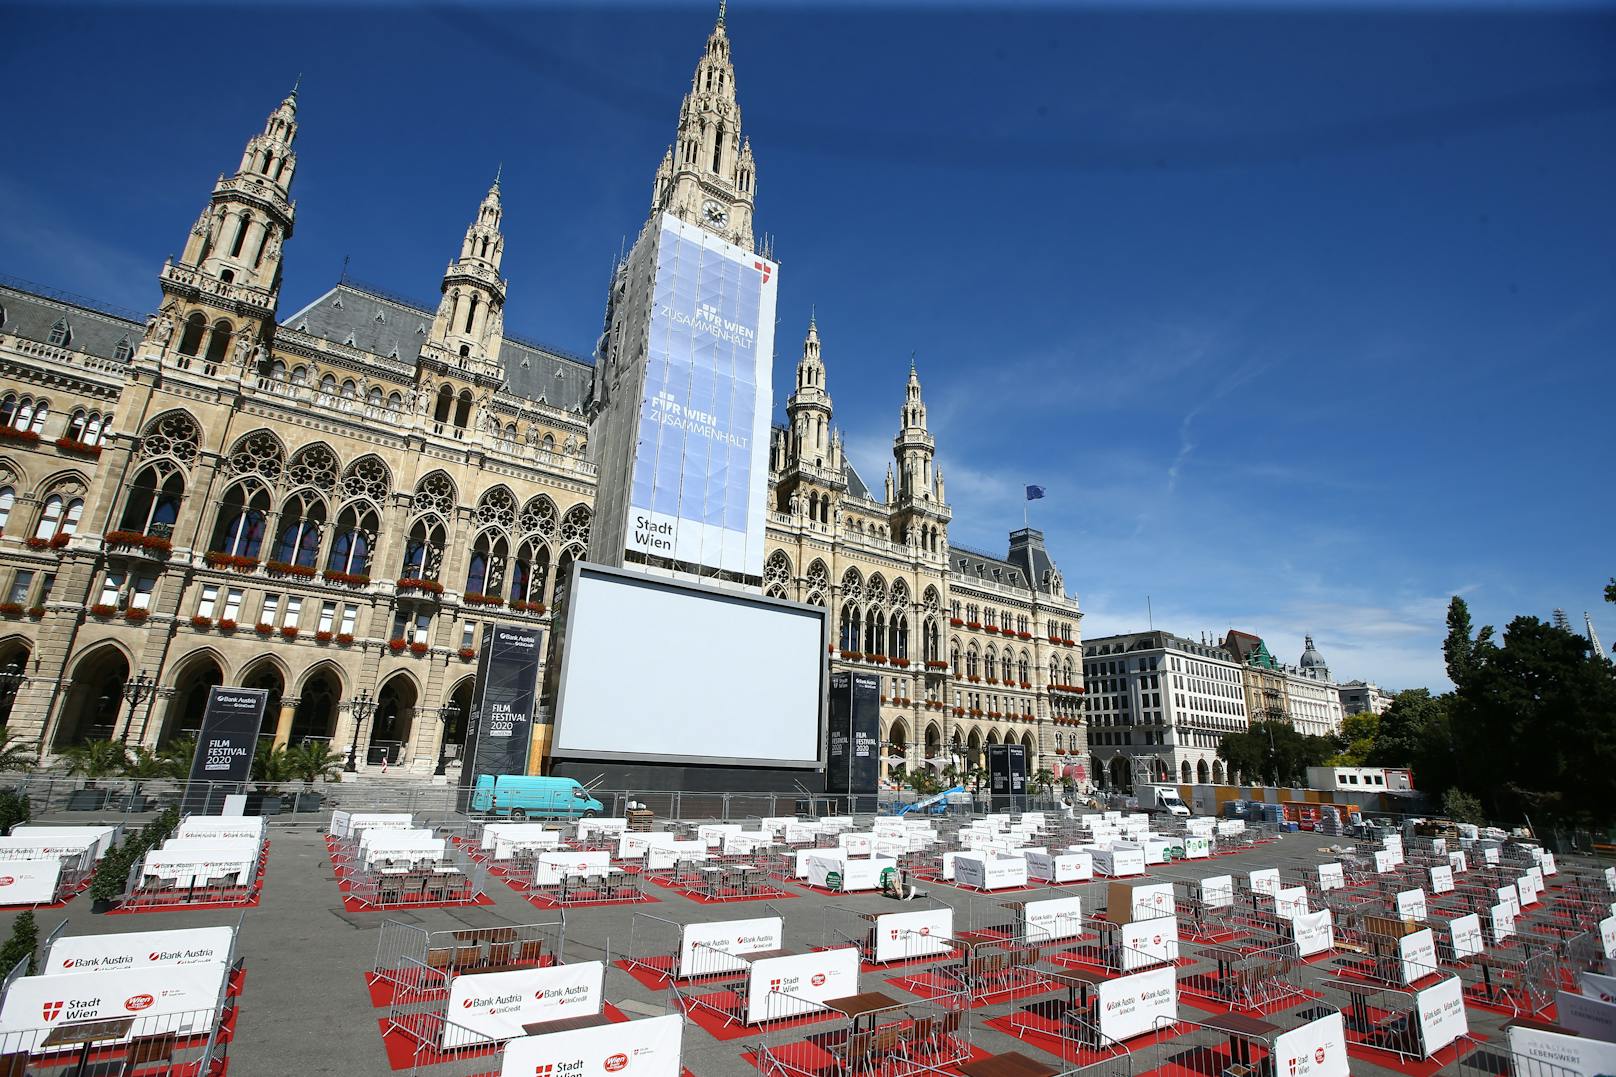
(446, 714)
(136, 692)
(361, 707)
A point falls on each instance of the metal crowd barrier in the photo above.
(455, 879)
(845, 926)
(923, 1036)
(1254, 980)
(404, 950)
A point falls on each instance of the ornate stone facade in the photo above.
(331, 505)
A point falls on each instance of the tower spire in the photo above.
(470, 323)
(721, 6)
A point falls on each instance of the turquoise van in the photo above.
(524, 796)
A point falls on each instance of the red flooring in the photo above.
(702, 899)
(540, 902)
(715, 1025)
(1427, 1067)
(1075, 1057)
(355, 905)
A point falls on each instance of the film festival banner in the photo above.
(501, 729)
(853, 759)
(649, 1047)
(1441, 1014)
(184, 995)
(1131, 1005)
(697, 488)
(800, 983)
(188, 946)
(1007, 773)
(492, 1006)
(902, 935)
(1316, 1049)
(708, 948)
(226, 741)
(1313, 932)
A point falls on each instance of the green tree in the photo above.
(23, 943)
(97, 758)
(1273, 752)
(923, 782)
(312, 761)
(270, 764)
(14, 809)
(112, 873)
(1536, 727)
(16, 753)
(1359, 732)
(1042, 780)
(145, 764)
(177, 755)
(1462, 653)
(1461, 807)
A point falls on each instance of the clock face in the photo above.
(713, 213)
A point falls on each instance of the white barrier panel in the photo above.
(186, 868)
(1607, 936)
(610, 828)
(1548, 865)
(986, 872)
(1536, 875)
(1265, 881)
(1217, 891)
(1155, 849)
(412, 845)
(708, 948)
(1490, 854)
(1203, 825)
(665, 854)
(797, 833)
(1117, 861)
(506, 848)
(649, 1047)
(550, 868)
(222, 826)
(633, 846)
(29, 882)
(1131, 1005)
(1290, 901)
(391, 820)
(1384, 861)
(855, 844)
(1459, 862)
(103, 836)
(1197, 847)
(1610, 879)
(81, 850)
(788, 986)
(1418, 953)
(746, 842)
(1060, 867)
(1441, 880)
(712, 834)
(833, 872)
(492, 832)
(1411, 905)
(776, 824)
(488, 1007)
(1569, 1056)
(900, 935)
(1597, 986)
(1053, 918)
(1150, 900)
(1503, 922)
(1149, 940)
(35, 1004)
(1313, 932)
(1464, 932)
(96, 953)
(338, 827)
(1316, 1049)
(1231, 826)
(1441, 1014)
(1331, 877)
(1590, 1016)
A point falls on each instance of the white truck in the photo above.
(1161, 798)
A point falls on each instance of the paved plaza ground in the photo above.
(306, 1009)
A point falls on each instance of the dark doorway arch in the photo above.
(1119, 774)
(94, 702)
(459, 719)
(190, 699)
(316, 715)
(394, 723)
(14, 655)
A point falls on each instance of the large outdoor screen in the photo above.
(657, 670)
(698, 486)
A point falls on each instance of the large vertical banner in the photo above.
(1007, 774)
(226, 742)
(500, 728)
(700, 469)
(854, 752)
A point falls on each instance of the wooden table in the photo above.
(567, 1024)
(1009, 1064)
(1242, 1030)
(855, 1006)
(86, 1033)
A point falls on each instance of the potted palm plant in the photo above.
(310, 762)
(94, 760)
(270, 767)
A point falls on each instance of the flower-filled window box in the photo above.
(323, 636)
(288, 632)
(991, 629)
(101, 610)
(878, 659)
(956, 622)
(11, 609)
(959, 712)
(934, 663)
(11, 433)
(73, 445)
(472, 598)
(1026, 684)
(344, 639)
(993, 680)
(135, 616)
(853, 656)
(973, 625)
(36, 612)
(1069, 642)
(467, 654)
(60, 539)
(347, 579)
(155, 545)
(976, 712)
(397, 645)
(1054, 639)
(227, 625)
(901, 663)
(974, 680)
(1024, 635)
(36, 543)
(264, 629)
(527, 607)
(418, 648)
(216, 559)
(281, 568)
(200, 621)
(431, 587)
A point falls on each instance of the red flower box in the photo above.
(993, 680)
(36, 543)
(281, 568)
(101, 610)
(1069, 642)
(956, 622)
(431, 587)
(79, 447)
(901, 663)
(347, 579)
(933, 663)
(994, 629)
(973, 625)
(136, 616)
(264, 629)
(60, 539)
(323, 637)
(1054, 639)
(418, 649)
(200, 621)
(36, 612)
(974, 680)
(11, 609)
(467, 654)
(288, 632)
(527, 607)
(11, 433)
(216, 559)
(344, 639)
(396, 645)
(878, 659)
(1026, 684)
(473, 598)
(226, 625)
(853, 656)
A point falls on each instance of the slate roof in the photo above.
(29, 310)
(976, 565)
(372, 320)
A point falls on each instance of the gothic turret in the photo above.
(709, 177)
(808, 409)
(470, 323)
(917, 500)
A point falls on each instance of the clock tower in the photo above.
(708, 177)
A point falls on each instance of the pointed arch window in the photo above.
(530, 572)
(486, 571)
(302, 518)
(219, 341)
(463, 410)
(154, 500)
(59, 516)
(351, 542)
(445, 404)
(423, 551)
(196, 327)
(240, 529)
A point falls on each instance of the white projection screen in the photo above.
(661, 671)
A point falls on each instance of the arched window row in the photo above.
(88, 427)
(22, 411)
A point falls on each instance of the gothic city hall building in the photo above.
(337, 502)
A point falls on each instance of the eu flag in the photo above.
(1034, 493)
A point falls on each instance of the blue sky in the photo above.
(1303, 314)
